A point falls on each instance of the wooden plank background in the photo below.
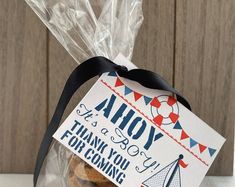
(190, 43)
(205, 67)
(23, 86)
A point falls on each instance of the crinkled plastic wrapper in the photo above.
(85, 28)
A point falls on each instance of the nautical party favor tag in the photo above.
(139, 137)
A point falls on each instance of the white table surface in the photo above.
(16, 180)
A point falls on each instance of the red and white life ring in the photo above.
(165, 110)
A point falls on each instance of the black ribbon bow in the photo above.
(82, 73)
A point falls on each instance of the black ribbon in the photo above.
(87, 70)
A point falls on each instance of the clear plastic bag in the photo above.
(88, 28)
(85, 28)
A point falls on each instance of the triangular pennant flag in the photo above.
(211, 151)
(147, 100)
(183, 135)
(112, 74)
(177, 125)
(174, 117)
(158, 120)
(155, 102)
(192, 143)
(171, 101)
(182, 164)
(202, 148)
(137, 96)
(127, 90)
(118, 82)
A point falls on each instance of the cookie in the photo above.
(86, 172)
(74, 181)
(106, 184)
(82, 174)
(73, 162)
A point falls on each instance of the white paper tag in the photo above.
(139, 137)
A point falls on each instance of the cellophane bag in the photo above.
(86, 28)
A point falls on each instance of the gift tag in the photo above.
(139, 137)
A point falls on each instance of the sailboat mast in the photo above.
(174, 171)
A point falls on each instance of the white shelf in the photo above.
(16, 180)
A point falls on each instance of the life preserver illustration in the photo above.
(164, 110)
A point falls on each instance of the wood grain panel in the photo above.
(23, 86)
(205, 67)
(154, 51)
(154, 48)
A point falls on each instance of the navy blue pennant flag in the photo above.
(147, 100)
(177, 125)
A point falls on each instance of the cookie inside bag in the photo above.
(82, 174)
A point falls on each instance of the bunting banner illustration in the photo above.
(171, 118)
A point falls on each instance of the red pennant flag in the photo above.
(183, 135)
(118, 82)
(174, 117)
(155, 102)
(183, 164)
(202, 148)
(171, 101)
(137, 95)
(158, 120)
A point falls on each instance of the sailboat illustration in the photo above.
(169, 176)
